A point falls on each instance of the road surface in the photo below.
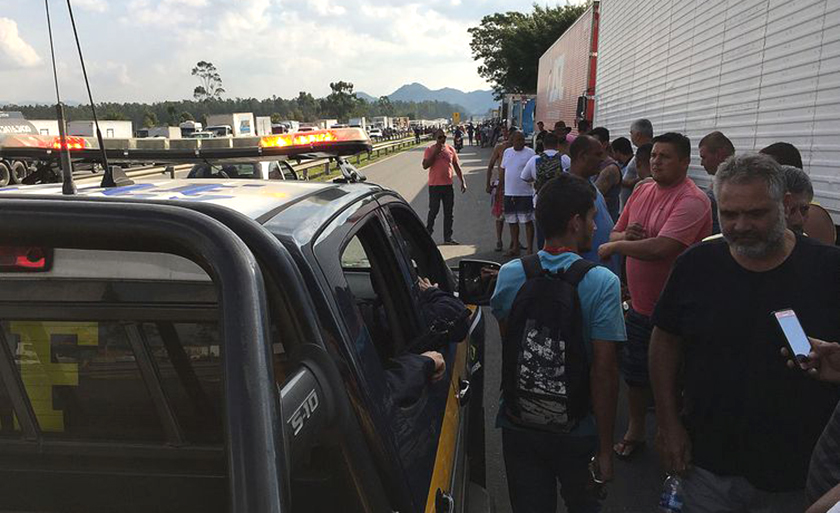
(637, 483)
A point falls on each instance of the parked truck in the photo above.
(169, 132)
(241, 124)
(188, 128)
(110, 129)
(14, 123)
(358, 123)
(263, 125)
(566, 76)
(759, 71)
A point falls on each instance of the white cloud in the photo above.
(91, 5)
(13, 49)
(326, 7)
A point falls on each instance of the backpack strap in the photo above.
(531, 265)
(575, 273)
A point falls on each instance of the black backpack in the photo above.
(548, 168)
(545, 367)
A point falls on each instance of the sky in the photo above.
(144, 50)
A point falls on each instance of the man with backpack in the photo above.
(560, 318)
(545, 166)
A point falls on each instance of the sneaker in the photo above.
(451, 242)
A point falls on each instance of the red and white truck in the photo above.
(760, 71)
(566, 77)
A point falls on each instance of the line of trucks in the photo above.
(760, 71)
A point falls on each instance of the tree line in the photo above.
(342, 104)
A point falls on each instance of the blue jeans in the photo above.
(536, 461)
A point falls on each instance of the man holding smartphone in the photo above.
(749, 423)
(440, 159)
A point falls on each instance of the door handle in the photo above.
(444, 503)
(464, 392)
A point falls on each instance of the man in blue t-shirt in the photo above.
(586, 154)
(536, 460)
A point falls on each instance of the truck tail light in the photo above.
(25, 259)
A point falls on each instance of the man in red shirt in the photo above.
(440, 159)
(661, 219)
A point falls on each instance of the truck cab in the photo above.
(180, 345)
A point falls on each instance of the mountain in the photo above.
(366, 97)
(476, 102)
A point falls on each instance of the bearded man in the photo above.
(749, 422)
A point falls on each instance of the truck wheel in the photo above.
(18, 172)
(5, 174)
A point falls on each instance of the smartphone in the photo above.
(797, 341)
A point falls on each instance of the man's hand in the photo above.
(823, 363)
(605, 464)
(635, 231)
(440, 365)
(606, 250)
(463, 186)
(425, 284)
(489, 189)
(674, 448)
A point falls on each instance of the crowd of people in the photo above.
(680, 304)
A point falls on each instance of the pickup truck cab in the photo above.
(222, 345)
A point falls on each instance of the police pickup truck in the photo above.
(223, 345)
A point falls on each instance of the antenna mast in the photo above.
(68, 187)
(108, 178)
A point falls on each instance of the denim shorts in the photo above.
(634, 355)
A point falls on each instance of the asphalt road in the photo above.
(638, 482)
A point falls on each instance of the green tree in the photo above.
(150, 119)
(342, 102)
(384, 107)
(186, 116)
(210, 87)
(509, 45)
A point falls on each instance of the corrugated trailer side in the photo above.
(760, 71)
(563, 74)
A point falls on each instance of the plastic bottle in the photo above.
(671, 500)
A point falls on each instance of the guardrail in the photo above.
(303, 168)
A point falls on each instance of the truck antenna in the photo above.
(68, 187)
(108, 178)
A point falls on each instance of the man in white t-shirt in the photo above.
(552, 147)
(519, 194)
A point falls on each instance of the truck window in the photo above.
(371, 273)
(85, 382)
(424, 256)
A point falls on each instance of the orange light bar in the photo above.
(298, 139)
(72, 143)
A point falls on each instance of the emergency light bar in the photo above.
(339, 142)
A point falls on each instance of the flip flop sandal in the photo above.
(629, 449)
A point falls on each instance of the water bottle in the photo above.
(672, 496)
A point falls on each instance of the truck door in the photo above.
(460, 451)
(375, 301)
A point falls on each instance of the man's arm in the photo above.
(655, 248)
(607, 178)
(429, 162)
(457, 165)
(826, 502)
(604, 386)
(664, 362)
(490, 166)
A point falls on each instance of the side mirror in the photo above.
(477, 281)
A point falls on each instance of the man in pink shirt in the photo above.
(661, 219)
(440, 159)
